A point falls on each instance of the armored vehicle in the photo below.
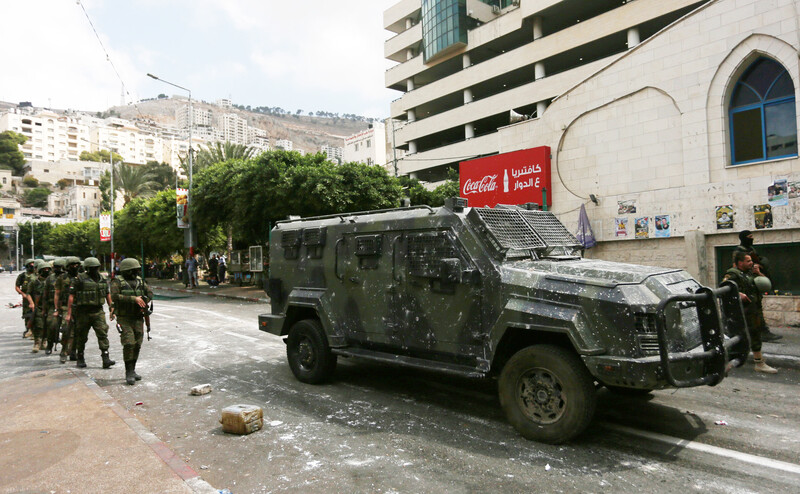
(495, 292)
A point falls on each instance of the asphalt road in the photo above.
(384, 429)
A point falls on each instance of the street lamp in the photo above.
(33, 256)
(111, 158)
(191, 124)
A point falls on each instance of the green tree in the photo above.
(105, 191)
(162, 174)
(41, 231)
(37, 197)
(133, 181)
(101, 156)
(11, 158)
(218, 152)
(77, 239)
(30, 181)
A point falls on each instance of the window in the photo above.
(369, 143)
(762, 114)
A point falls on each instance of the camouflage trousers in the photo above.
(94, 318)
(131, 337)
(68, 334)
(26, 314)
(38, 325)
(52, 324)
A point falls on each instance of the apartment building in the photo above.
(74, 171)
(367, 146)
(233, 128)
(333, 153)
(82, 202)
(201, 117)
(672, 122)
(127, 140)
(284, 144)
(51, 136)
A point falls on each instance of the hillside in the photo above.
(306, 132)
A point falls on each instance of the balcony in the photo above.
(395, 48)
(452, 153)
(394, 18)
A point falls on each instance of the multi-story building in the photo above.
(225, 103)
(202, 117)
(367, 146)
(127, 140)
(51, 136)
(333, 153)
(82, 202)
(672, 122)
(6, 180)
(75, 171)
(233, 128)
(284, 144)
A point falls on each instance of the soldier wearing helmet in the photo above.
(36, 291)
(52, 315)
(62, 297)
(88, 292)
(21, 286)
(130, 294)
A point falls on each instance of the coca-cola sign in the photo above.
(510, 178)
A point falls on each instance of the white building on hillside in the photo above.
(74, 171)
(333, 153)
(367, 146)
(51, 137)
(284, 144)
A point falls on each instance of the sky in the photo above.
(308, 54)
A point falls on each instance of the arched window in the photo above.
(762, 114)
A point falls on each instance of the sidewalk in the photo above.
(784, 353)
(60, 432)
(226, 290)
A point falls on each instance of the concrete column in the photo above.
(538, 70)
(465, 61)
(409, 54)
(409, 84)
(412, 147)
(541, 106)
(633, 37)
(412, 175)
(411, 115)
(696, 259)
(409, 23)
(537, 28)
(467, 96)
(469, 131)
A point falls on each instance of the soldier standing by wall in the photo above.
(89, 291)
(21, 286)
(746, 246)
(52, 317)
(36, 291)
(62, 298)
(130, 295)
(742, 273)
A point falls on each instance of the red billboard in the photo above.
(509, 178)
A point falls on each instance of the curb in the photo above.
(219, 295)
(779, 361)
(190, 477)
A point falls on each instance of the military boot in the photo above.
(36, 344)
(129, 374)
(62, 359)
(28, 334)
(107, 362)
(81, 363)
(133, 371)
(73, 356)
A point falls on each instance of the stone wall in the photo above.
(782, 311)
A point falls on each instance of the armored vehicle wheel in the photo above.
(619, 390)
(308, 353)
(547, 393)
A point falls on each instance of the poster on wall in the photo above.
(763, 216)
(778, 193)
(105, 227)
(626, 207)
(642, 226)
(621, 229)
(724, 216)
(662, 225)
(794, 190)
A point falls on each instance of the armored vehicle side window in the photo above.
(368, 250)
(290, 242)
(426, 253)
(314, 240)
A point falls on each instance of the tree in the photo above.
(30, 181)
(105, 191)
(162, 174)
(101, 156)
(37, 197)
(218, 153)
(133, 181)
(11, 158)
(41, 230)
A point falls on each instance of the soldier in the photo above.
(742, 273)
(746, 246)
(130, 295)
(36, 291)
(88, 291)
(21, 286)
(53, 317)
(61, 300)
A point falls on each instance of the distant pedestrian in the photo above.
(191, 270)
(222, 268)
(213, 263)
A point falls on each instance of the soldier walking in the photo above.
(24, 278)
(130, 295)
(36, 291)
(61, 301)
(88, 291)
(52, 317)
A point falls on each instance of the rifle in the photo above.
(146, 313)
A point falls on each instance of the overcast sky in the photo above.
(306, 54)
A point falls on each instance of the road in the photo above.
(385, 429)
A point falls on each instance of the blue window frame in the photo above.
(762, 116)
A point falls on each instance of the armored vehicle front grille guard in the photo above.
(516, 233)
(720, 314)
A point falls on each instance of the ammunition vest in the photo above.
(91, 293)
(25, 281)
(62, 285)
(50, 290)
(129, 308)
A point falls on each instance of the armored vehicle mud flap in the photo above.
(723, 329)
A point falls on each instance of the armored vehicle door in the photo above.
(364, 268)
(441, 296)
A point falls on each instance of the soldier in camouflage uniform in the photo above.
(36, 291)
(130, 295)
(62, 298)
(742, 273)
(53, 317)
(21, 286)
(88, 291)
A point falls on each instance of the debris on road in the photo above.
(242, 419)
(201, 389)
(138, 403)
(547, 467)
(720, 422)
